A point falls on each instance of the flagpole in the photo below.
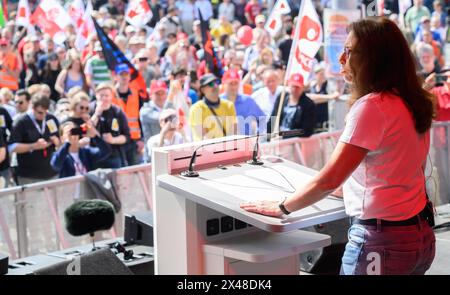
(288, 69)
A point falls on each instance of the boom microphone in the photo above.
(89, 216)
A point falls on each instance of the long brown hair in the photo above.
(382, 62)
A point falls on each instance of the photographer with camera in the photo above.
(72, 159)
(169, 135)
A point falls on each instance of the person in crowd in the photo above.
(6, 101)
(34, 138)
(62, 109)
(171, 21)
(212, 117)
(227, 9)
(266, 96)
(252, 9)
(112, 124)
(72, 74)
(157, 12)
(169, 134)
(439, 14)
(262, 41)
(50, 73)
(150, 111)
(384, 192)
(30, 73)
(9, 66)
(96, 70)
(414, 15)
(129, 101)
(298, 111)
(71, 159)
(321, 94)
(22, 101)
(249, 115)
(79, 109)
(148, 68)
(427, 60)
(284, 46)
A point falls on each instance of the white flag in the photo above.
(76, 12)
(275, 22)
(86, 28)
(307, 41)
(23, 14)
(52, 18)
(138, 13)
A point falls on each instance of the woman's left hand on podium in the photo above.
(263, 207)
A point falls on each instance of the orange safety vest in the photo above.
(7, 80)
(131, 109)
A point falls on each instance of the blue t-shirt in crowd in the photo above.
(247, 111)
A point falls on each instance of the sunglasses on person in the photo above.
(143, 59)
(213, 84)
(19, 102)
(83, 108)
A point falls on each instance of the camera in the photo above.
(80, 131)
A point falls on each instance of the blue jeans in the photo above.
(389, 250)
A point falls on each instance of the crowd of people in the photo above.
(63, 112)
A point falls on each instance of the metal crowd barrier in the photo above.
(31, 216)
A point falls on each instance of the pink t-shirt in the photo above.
(389, 183)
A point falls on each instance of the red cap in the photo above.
(157, 86)
(4, 41)
(231, 75)
(296, 80)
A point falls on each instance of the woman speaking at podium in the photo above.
(380, 157)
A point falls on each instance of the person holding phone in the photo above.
(169, 135)
(72, 159)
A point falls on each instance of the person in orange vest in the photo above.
(130, 102)
(9, 66)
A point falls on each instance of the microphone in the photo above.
(255, 159)
(89, 216)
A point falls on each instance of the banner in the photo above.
(85, 28)
(335, 33)
(138, 13)
(307, 41)
(23, 14)
(275, 21)
(52, 18)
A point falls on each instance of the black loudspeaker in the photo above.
(328, 260)
(99, 262)
(139, 228)
(3, 264)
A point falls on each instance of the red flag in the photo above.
(138, 13)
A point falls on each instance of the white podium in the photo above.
(199, 227)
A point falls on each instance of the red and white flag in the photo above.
(275, 21)
(23, 14)
(52, 18)
(307, 41)
(138, 13)
(76, 12)
(85, 28)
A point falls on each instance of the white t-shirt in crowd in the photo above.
(153, 142)
(389, 183)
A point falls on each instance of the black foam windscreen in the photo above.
(88, 216)
(99, 262)
(3, 264)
